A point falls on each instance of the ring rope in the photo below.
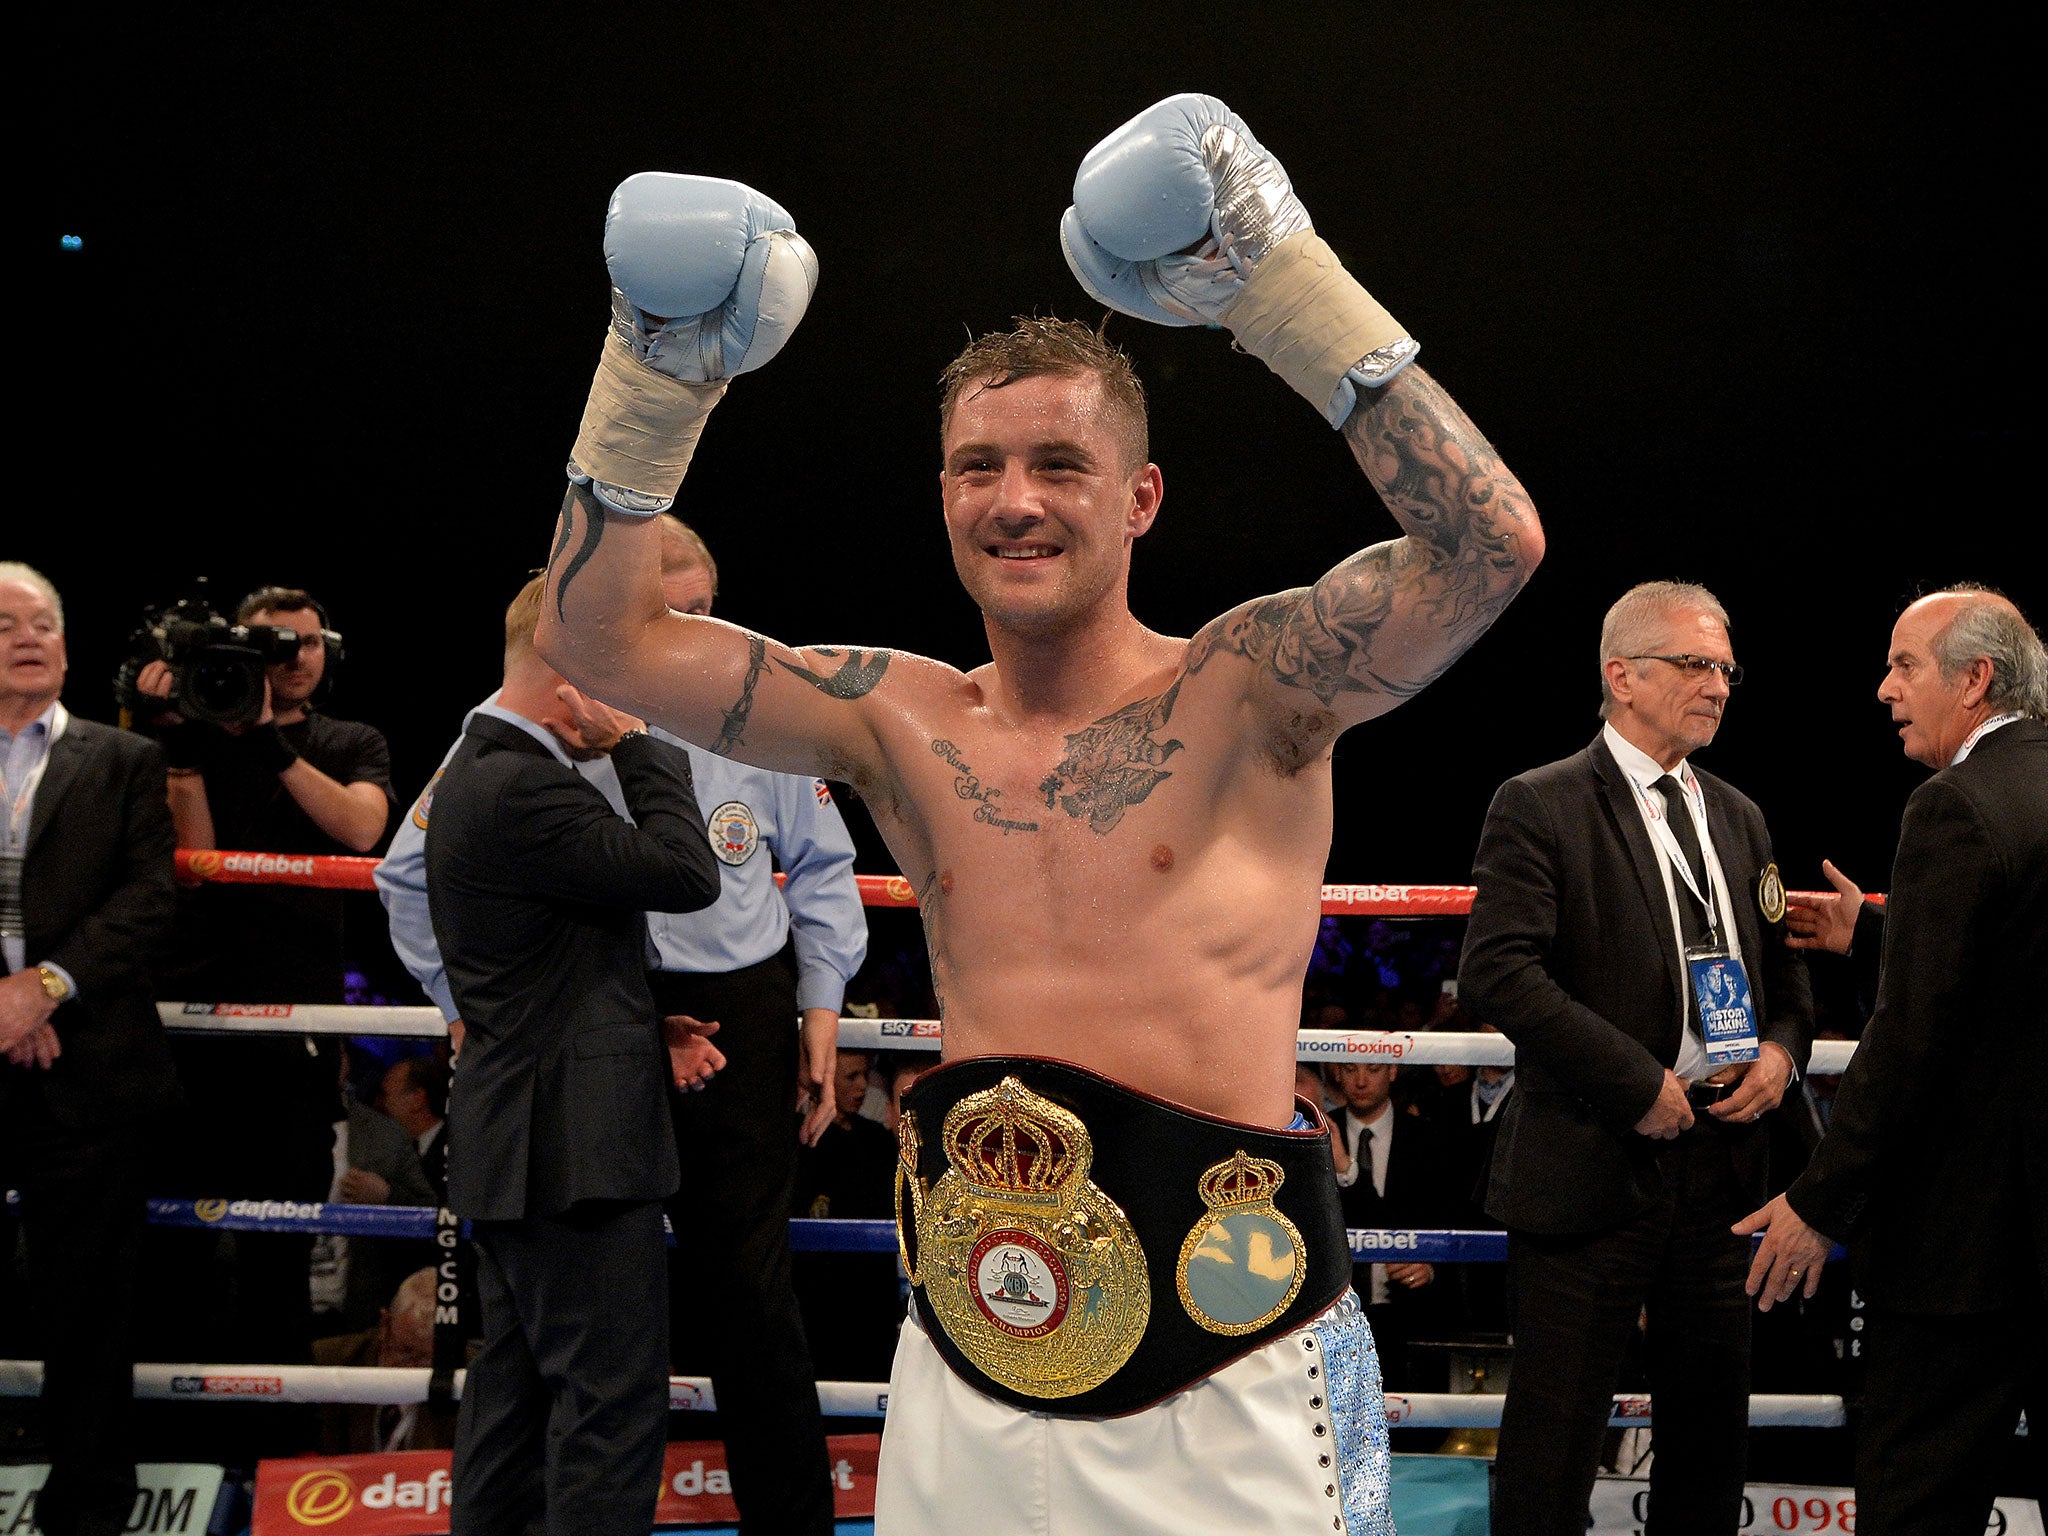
(351, 872)
(1387, 1047)
(397, 1386)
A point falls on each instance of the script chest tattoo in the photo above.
(968, 786)
(1114, 764)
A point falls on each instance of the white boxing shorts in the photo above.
(1289, 1439)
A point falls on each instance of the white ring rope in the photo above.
(397, 1386)
(1400, 1048)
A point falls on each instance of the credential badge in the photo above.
(734, 833)
(1770, 894)
(1241, 1265)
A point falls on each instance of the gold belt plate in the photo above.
(1035, 1274)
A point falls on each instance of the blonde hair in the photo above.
(522, 618)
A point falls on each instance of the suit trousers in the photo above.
(82, 1216)
(565, 1412)
(1941, 1398)
(734, 1309)
(1575, 1302)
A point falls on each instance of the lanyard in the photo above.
(1982, 731)
(17, 808)
(1661, 833)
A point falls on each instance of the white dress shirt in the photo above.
(1643, 771)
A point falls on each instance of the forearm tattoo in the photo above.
(968, 786)
(1462, 560)
(1115, 763)
(593, 516)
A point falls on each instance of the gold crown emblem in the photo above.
(1243, 1180)
(1008, 1141)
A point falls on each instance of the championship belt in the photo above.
(1080, 1248)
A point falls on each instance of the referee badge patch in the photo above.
(734, 832)
(423, 807)
(1770, 894)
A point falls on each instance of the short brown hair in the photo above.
(279, 600)
(522, 618)
(1037, 345)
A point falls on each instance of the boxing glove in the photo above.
(709, 278)
(1182, 217)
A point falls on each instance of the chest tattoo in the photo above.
(1114, 763)
(968, 786)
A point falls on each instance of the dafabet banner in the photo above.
(407, 1493)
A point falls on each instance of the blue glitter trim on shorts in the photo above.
(1358, 1418)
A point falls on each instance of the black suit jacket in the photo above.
(1421, 1191)
(537, 890)
(97, 895)
(1935, 1163)
(1570, 952)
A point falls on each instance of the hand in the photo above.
(724, 260)
(692, 1059)
(1761, 1087)
(156, 680)
(23, 1006)
(38, 1048)
(1411, 1276)
(456, 1033)
(1821, 921)
(359, 1186)
(1670, 1114)
(1340, 1154)
(817, 1073)
(587, 729)
(1790, 1255)
(1174, 215)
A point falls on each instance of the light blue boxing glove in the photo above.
(1182, 217)
(709, 279)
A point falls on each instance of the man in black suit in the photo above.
(1393, 1170)
(559, 1144)
(86, 898)
(1934, 1167)
(1625, 1151)
(415, 1094)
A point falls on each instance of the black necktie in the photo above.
(1692, 914)
(1365, 1160)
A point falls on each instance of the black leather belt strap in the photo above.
(1149, 1154)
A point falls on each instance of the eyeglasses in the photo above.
(1700, 666)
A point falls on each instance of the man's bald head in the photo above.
(1976, 623)
(1958, 658)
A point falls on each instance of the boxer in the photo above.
(1132, 1307)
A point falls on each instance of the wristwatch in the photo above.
(54, 986)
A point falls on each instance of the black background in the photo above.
(1734, 287)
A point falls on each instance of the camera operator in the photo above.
(291, 780)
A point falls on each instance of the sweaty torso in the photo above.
(1137, 891)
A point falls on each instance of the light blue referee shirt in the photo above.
(751, 815)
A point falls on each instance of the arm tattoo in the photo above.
(1461, 562)
(593, 516)
(733, 729)
(857, 675)
(968, 786)
(1114, 764)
